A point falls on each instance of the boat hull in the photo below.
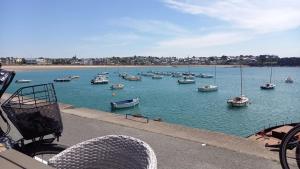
(100, 82)
(208, 89)
(186, 82)
(62, 80)
(117, 86)
(242, 102)
(22, 81)
(125, 104)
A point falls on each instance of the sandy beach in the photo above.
(21, 68)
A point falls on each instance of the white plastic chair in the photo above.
(107, 152)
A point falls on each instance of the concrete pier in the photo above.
(176, 147)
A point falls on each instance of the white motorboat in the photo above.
(147, 74)
(64, 79)
(132, 78)
(74, 77)
(157, 77)
(125, 103)
(289, 80)
(23, 81)
(103, 73)
(117, 86)
(186, 81)
(202, 75)
(189, 77)
(208, 88)
(99, 80)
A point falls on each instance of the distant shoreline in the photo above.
(22, 68)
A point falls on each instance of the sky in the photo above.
(181, 28)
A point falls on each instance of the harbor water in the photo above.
(183, 104)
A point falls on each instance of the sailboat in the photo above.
(269, 85)
(210, 88)
(239, 101)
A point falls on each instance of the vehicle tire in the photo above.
(290, 145)
(43, 152)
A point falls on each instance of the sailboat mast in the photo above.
(215, 73)
(241, 79)
(271, 74)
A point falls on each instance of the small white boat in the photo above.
(268, 86)
(99, 80)
(117, 86)
(147, 74)
(74, 77)
(289, 80)
(239, 101)
(125, 103)
(186, 81)
(23, 81)
(132, 78)
(189, 77)
(177, 75)
(103, 73)
(65, 79)
(202, 75)
(208, 88)
(157, 77)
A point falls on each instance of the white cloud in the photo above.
(212, 39)
(257, 15)
(150, 26)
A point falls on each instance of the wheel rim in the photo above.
(290, 150)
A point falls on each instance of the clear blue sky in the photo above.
(104, 28)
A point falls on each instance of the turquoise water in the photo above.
(182, 104)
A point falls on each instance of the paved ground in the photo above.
(172, 153)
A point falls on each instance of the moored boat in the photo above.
(157, 77)
(186, 81)
(64, 79)
(208, 88)
(239, 101)
(99, 80)
(147, 74)
(125, 103)
(22, 81)
(268, 86)
(103, 73)
(202, 75)
(74, 77)
(132, 78)
(117, 86)
(289, 80)
(189, 77)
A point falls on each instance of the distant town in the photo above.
(261, 60)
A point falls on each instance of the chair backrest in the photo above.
(109, 152)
